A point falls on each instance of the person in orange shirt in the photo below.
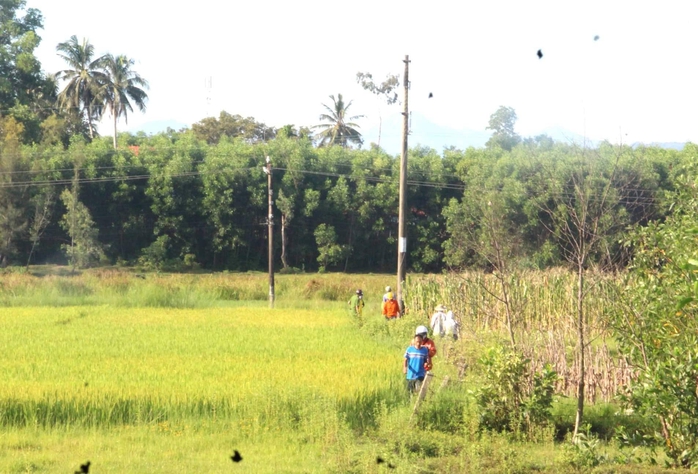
(388, 291)
(391, 308)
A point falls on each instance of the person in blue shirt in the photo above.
(415, 364)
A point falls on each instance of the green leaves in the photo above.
(22, 83)
(657, 328)
(511, 399)
(212, 129)
(330, 251)
(84, 248)
(339, 129)
(502, 122)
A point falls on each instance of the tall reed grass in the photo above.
(545, 299)
(545, 324)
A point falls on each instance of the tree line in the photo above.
(197, 197)
(172, 198)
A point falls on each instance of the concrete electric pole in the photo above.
(270, 232)
(402, 235)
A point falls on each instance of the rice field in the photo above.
(194, 371)
(173, 373)
(101, 365)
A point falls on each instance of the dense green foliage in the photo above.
(511, 397)
(26, 94)
(658, 322)
(210, 201)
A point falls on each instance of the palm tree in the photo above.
(337, 131)
(123, 86)
(84, 77)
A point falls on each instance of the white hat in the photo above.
(440, 308)
(420, 330)
(387, 288)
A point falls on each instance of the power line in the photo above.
(627, 200)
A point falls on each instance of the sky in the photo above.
(280, 61)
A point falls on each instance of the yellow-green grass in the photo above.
(105, 366)
(161, 390)
(123, 288)
(162, 448)
(167, 374)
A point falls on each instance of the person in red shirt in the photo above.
(391, 308)
(426, 342)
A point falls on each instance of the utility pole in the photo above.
(270, 232)
(402, 236)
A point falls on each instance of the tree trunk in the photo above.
(351, 228)
(502, 274)
(31, 252)
(89, 120)
(114, 131)
(283, 240)
(121, 240)
(580, 335)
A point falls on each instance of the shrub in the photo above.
(153, 257)
(511, 398)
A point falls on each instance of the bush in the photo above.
(511, 399)
(153, 257)
(190, 262)
(290, 271)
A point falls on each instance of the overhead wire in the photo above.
(411, 182)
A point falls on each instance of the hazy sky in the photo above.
(279, 61)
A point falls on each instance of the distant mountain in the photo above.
(426, 133)
(422, 133)
(562, 135)
(158, 126)
(667, 145)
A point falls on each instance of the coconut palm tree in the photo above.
(339, 130)
(123, 87)
(84, 79)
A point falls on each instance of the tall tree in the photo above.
(123, 86)
(582, 206)
(84, 247)
(330, 251)
(213, 129)
(25, 92)
(385, 90)
(233, 193)
(13, 166)
(502, 122)
(84, 78)
(485, 224)
(339, 129)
